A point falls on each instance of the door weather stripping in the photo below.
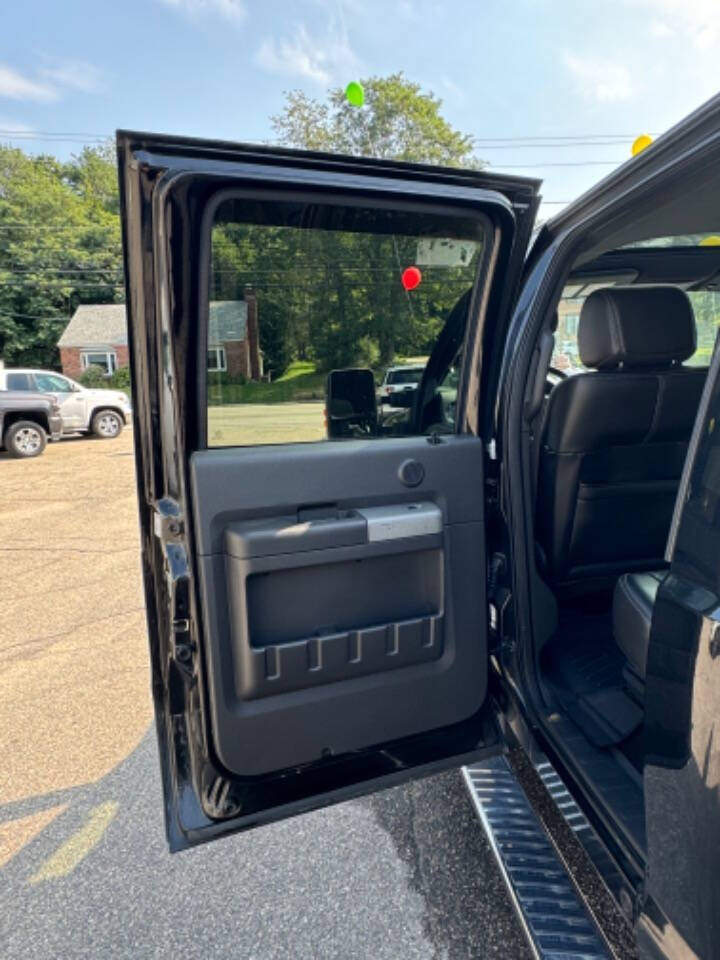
(556, 923)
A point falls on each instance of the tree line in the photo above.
(60, 239)
(332, 298)
(59, 246)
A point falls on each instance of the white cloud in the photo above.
(74, 75)
(320, 59)
(599, 79)
(658, 28)
(9, 127)
(696, 20)
(16, 86)
(51, 82)
(297, 56)
(232, 10)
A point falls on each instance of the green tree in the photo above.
(59, 246)
(399, 121)
(363, 311)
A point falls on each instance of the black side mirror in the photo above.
(351, 404)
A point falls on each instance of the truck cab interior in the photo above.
(620, 366)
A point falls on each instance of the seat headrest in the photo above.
(636, 327)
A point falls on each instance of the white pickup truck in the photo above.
(83, 409)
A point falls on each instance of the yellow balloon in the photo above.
(712, 241)
(641, 143)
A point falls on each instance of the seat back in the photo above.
(614, 440)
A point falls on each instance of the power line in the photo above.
(563, 163)
(563, 138)
(34, 316)
(557, 146)
(39, 284)
(520, 138)
(52, 133)
(64, 271)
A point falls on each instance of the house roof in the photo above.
(95, 325)
(228, 320)
(105, 324)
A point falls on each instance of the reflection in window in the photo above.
(19, 381)
(52, 383)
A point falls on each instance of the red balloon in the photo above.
(411, 278)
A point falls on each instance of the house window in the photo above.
(216, 359)
(105, 359)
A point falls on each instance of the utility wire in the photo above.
(34, 316)
(482, 141)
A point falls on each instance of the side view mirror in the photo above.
(351, 404)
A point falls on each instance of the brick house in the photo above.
(97, 336)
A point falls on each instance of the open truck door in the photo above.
(317, 611)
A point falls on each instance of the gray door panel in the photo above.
(331, 625)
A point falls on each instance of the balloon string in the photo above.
(376, 153)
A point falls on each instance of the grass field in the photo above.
(299, 383)
(241, 424)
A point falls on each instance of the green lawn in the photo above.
(299, 382)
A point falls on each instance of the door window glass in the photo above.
(19, 381)
(307, 298)
(705, 304)
(52, 383)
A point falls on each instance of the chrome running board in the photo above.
(556, 922)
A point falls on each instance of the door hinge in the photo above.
(491, 491)
(502, 635)
(169, 528)
(167, 520)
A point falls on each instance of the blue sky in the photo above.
(218, 68)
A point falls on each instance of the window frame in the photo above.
(221, 354)
(110, 360)
(474, 208)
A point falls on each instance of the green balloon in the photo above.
(355, 93)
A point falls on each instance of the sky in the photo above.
(506, 70)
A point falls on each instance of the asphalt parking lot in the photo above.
(85, 871)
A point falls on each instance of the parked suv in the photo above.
(83, 409)
(26, 421)
(399, 385)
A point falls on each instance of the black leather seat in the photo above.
(614, 441)
(632, 613)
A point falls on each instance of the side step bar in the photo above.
(556, 922)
